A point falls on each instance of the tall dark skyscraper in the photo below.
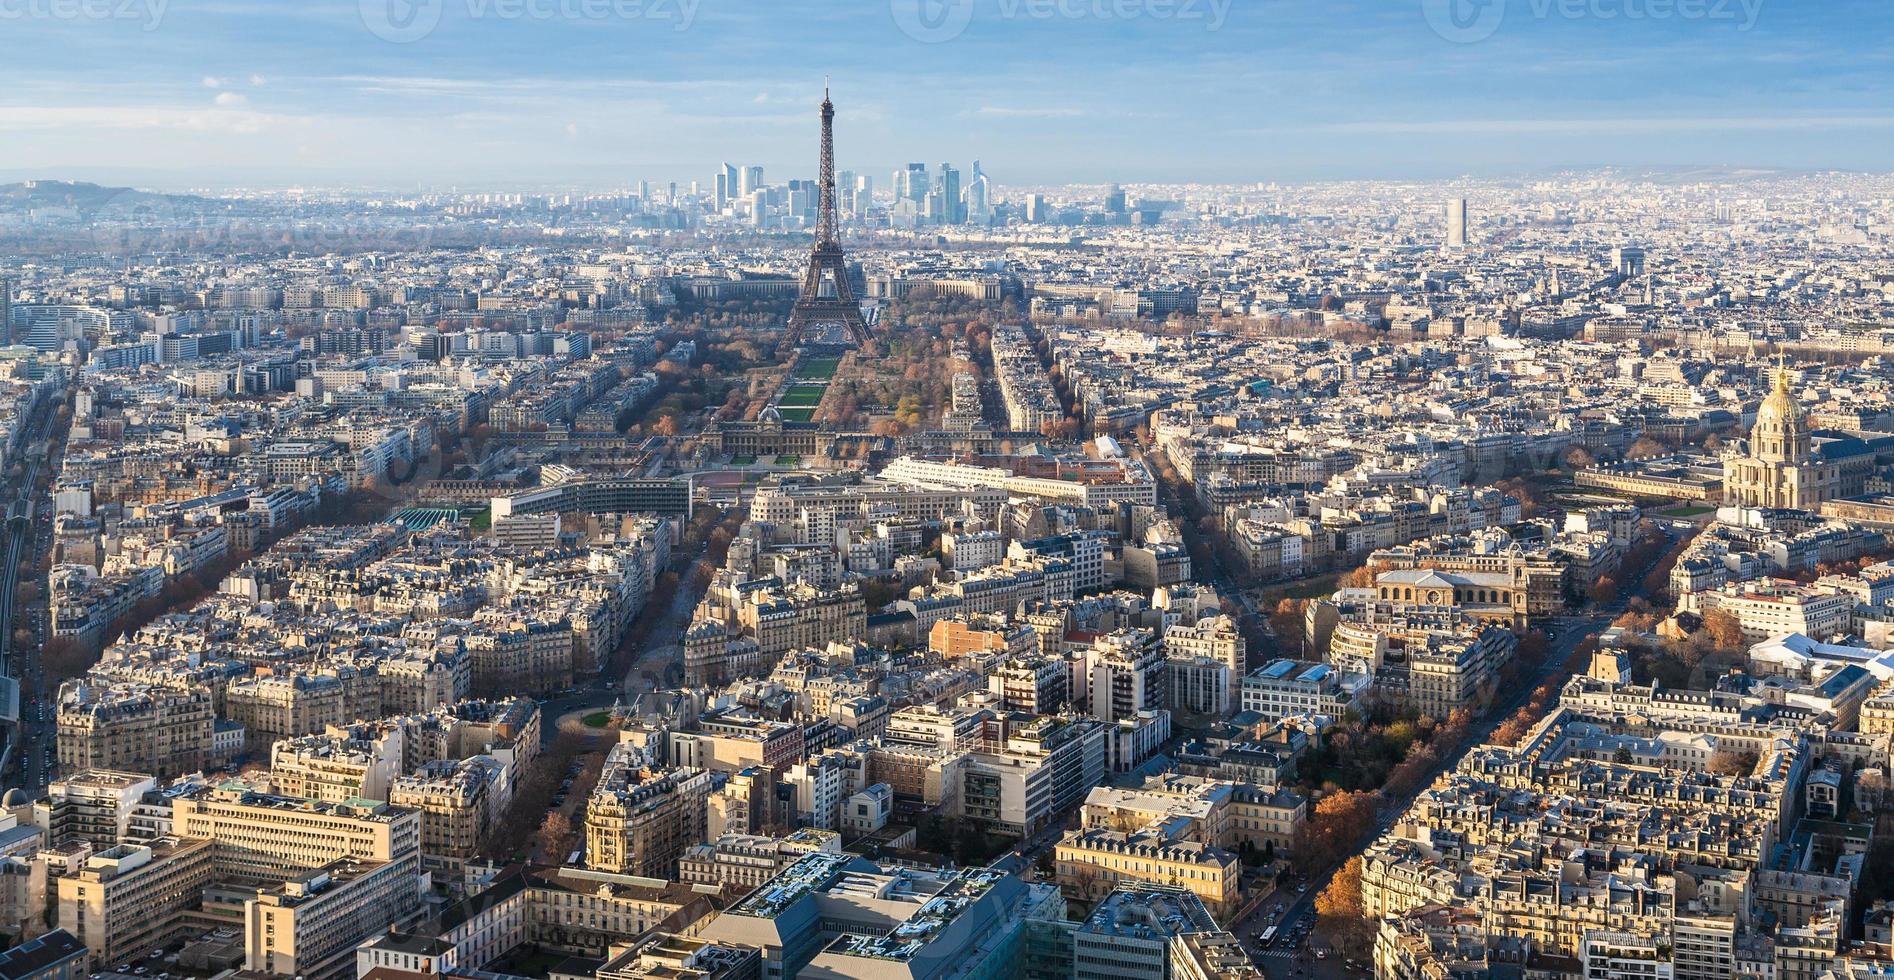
(728, 185)
(955, 211)
(827, 305)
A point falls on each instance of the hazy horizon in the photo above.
(185, 184)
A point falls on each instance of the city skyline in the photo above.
(534, 93)
(946, 490)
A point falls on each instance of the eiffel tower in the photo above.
(826, 306)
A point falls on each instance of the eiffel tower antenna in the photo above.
(826, 233)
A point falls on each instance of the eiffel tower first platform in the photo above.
(827, 311)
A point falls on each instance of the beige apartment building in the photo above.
(1216, 812)
(1034, 684)
(309, 925)
(1448, 672)
(165, 731)
(1092, 863)
(129, 898)
(273, 707)
(1215, 637)
(271, 838)
(740, 862)
(511, 656)
(801, 616)
(324, 876)
(458, 802)
(337, 765)
(640, 824)
(94, 805)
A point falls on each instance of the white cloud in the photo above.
(212, 81)
(257, 81)
(231, 100)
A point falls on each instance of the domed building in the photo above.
(1782, 468)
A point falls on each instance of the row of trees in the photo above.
(1514, 728)
(562, 834)
(1343, 820)
(525, 817)
(685, 391)
(1389, 759)
(1338, 825)
(1652, 553)
(1340, 909)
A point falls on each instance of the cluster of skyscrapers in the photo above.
(915, 196)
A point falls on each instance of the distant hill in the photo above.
(82, 195)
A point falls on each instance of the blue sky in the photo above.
(586, 93)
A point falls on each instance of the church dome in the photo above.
(1780, 406)
(1780, 435)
